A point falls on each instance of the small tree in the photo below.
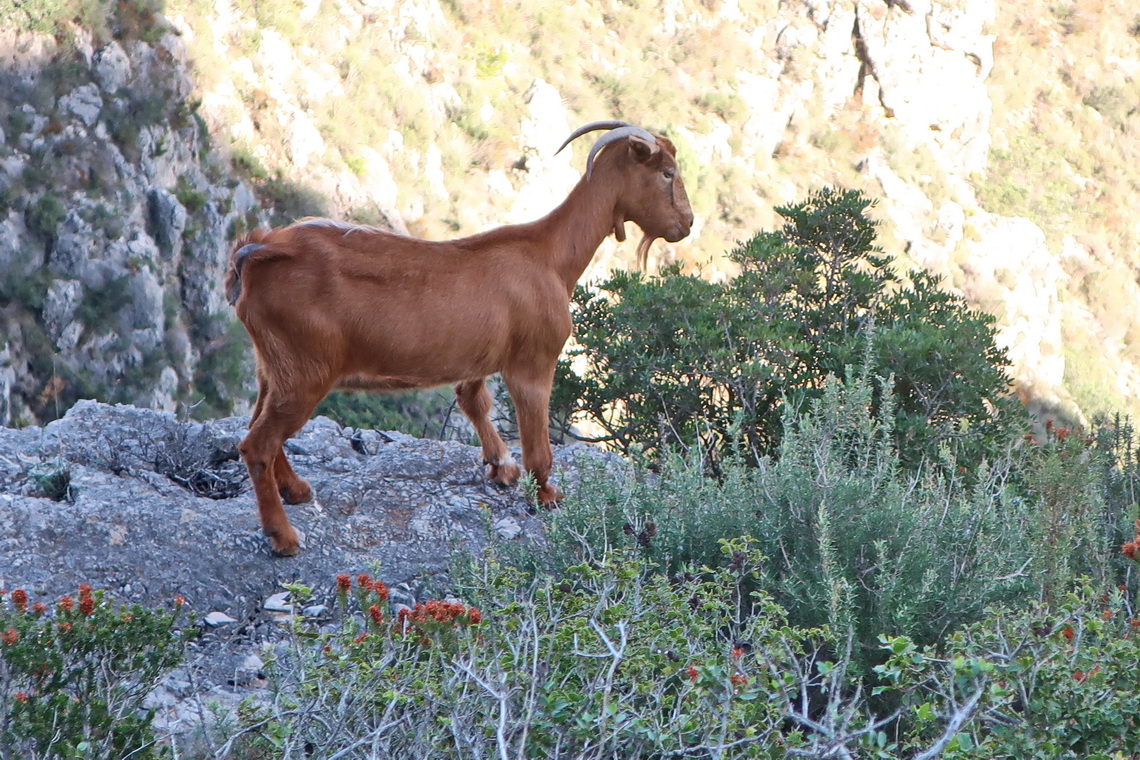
(676, 360)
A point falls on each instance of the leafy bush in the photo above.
(73, 680)
(604, 661)
(1044, 682)
(676, 359)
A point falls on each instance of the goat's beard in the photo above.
(643, 252)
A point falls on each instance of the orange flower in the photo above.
(20, 599)
(1107, 614)
(66, 604)
(738, 680)
(179, 601)
(737, 652)
(474, 616)
(86, 600)
(692, 672)
(10, 637)
(1079, 676)
(381, 590)
(39, 609)
(376, 615)
(360, 639)
(343, 582)
(21, 696)
(1067, 632)
(363, 580)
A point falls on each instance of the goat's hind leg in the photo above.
(262, 450)
(292, 487)
(475, 401)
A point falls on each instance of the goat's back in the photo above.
(367, 302)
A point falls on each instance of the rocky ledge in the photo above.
(149, 507)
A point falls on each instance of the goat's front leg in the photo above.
(475, 401)
(531, 394)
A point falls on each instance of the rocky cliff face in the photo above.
(442, 119)
(115, 222)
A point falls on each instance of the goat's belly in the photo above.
(429, 358)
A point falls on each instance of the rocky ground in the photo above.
(148, 507)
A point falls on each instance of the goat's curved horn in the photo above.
(618, 130)
(591, 127)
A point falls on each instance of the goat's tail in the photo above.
(250, 243)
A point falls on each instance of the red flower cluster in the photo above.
(20, 599)
(179, 601)
(434, 614)
(1067, 632)
(1131, 548)
(1079, 675)
(10, 637)
(38, 609)
(376, 615)
(66, 604)
(86, 600)
(738, 680)
(343, 583)
(366, 583)
(692, 672)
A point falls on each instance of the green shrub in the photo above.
(853, 539)
(224, 370)
(1044, 682)
(73, 679)
(676, 359)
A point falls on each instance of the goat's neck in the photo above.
(578, 226)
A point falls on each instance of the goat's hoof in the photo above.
(549, 496)
(285, 543)
(296, 493)
(504, 474)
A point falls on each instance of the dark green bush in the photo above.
(676, 360)
(45, 215)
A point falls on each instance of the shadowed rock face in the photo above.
(147, 507)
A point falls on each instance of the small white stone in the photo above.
(507, 528)
(216, 619)
(278, 603)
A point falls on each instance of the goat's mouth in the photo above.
(677, 232)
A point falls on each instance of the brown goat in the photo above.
(335, 305)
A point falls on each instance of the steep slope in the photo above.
(997, 138)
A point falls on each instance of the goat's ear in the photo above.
(642, 150)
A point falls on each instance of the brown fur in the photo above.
(332, 305)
